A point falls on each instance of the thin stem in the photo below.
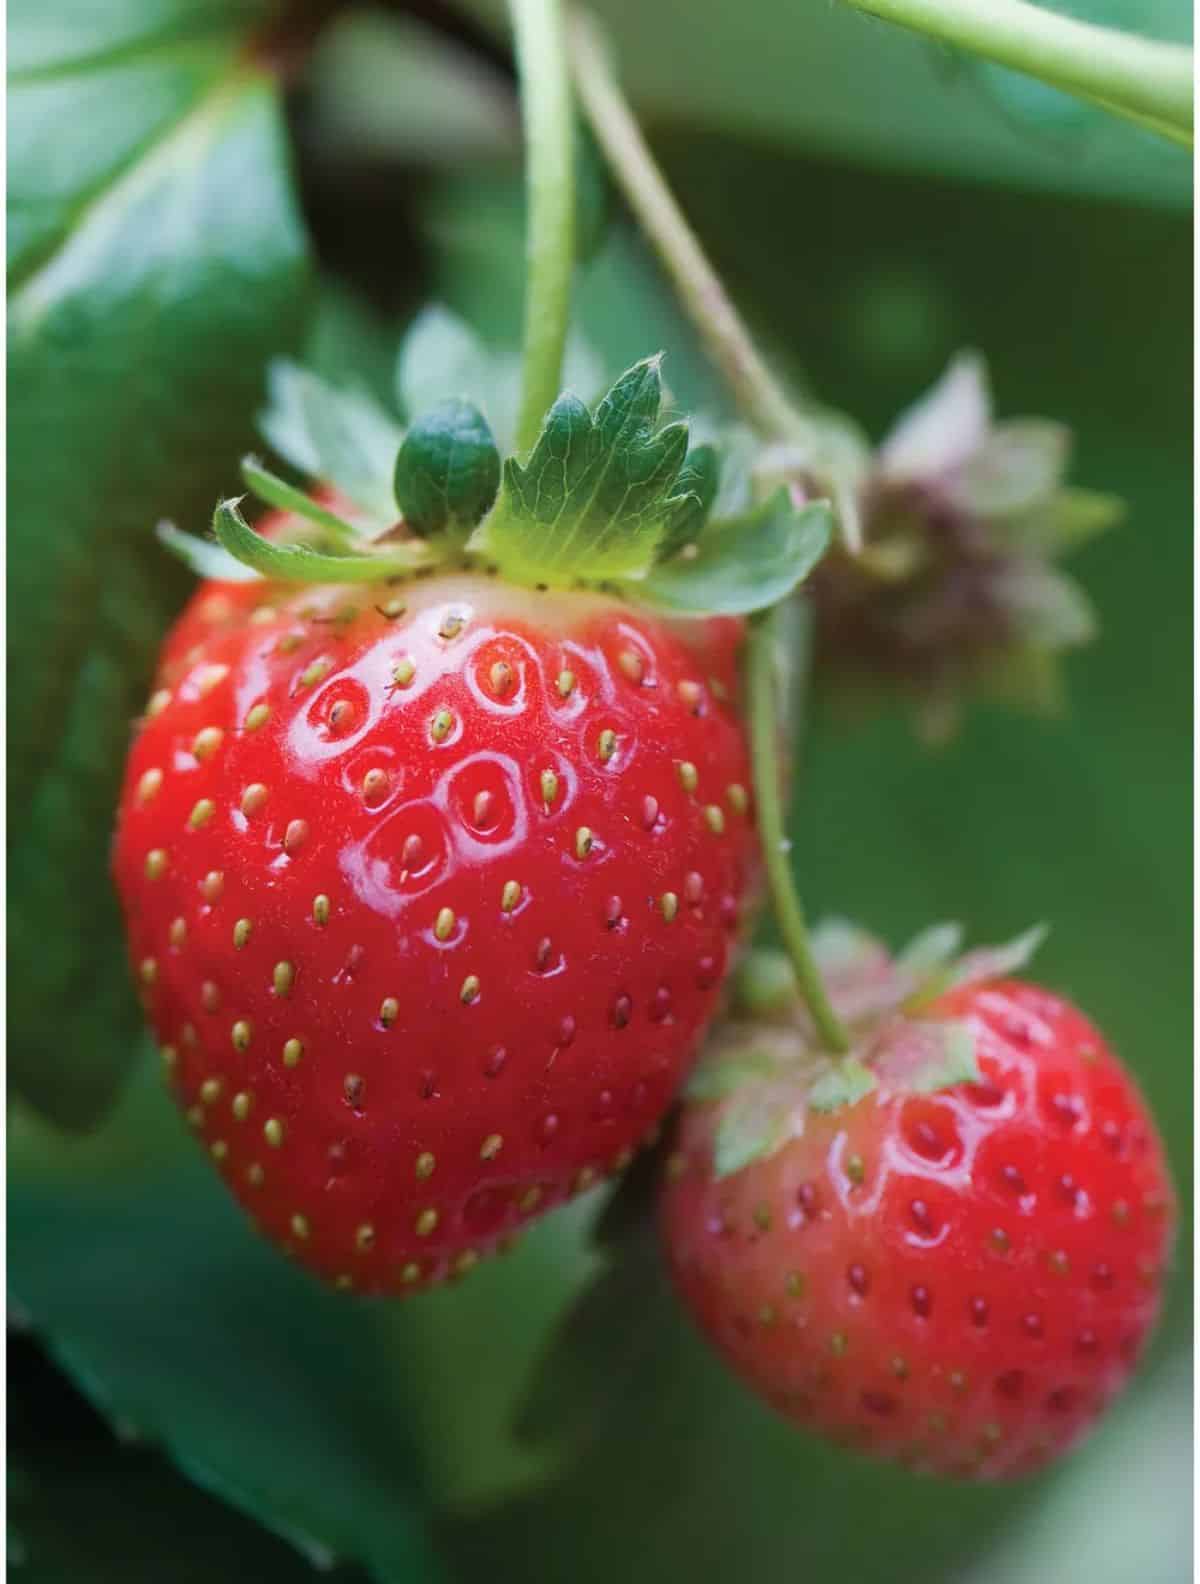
(1147, 81)
(758, 393)
(550, 189)
(764, 733)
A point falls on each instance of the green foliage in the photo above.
(598, 495)
(157, 259)
(300, 563)
(448, 470)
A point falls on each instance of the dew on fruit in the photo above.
(728, 911)
(857, 1280)
(566, 1030)
(921, 1300)
(1057, 1263)
(999, 1240)
(548, 1129)
(1032, 1325)
(1012, 1180)
(1086, 1343)
(603, 1108)
(1064, 1109)
(1102, 1277)
(660, 1005)
(978, 1310)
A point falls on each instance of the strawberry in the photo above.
(947, 1250)
(430, 894)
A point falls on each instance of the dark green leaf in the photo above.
(744, 564)
(598, 494)
(159, 260)
(297, 563)
(448, 470)
(335, 435)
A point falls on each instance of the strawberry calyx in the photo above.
(767, 1065)
(608, 498)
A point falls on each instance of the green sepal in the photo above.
(931, 950)
(296, 563)
(700, 477)
(274, 491)
(598, 494)
(764, 984)
(447, 471)
(845, 1083)
(336, 436)
(925, 1055)
(743, 564)
(759, 1119)
(721, 1075)
(203, 557)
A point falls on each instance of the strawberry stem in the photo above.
(1148, 82)
(546, 115)
(761, 661)
(759, 395)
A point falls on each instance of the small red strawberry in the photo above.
(958, 1275)
(431, 897)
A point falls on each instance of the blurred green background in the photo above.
(183, 1404)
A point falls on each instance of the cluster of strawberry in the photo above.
(436, 848)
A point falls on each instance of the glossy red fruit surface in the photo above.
(430, 893)
(959, 1280)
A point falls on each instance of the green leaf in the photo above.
(1018, 465)
(744, 564)
(598, 495)
(1071, 518)
(152, 1291)
(998, 962)
(844, 1084)
(334, 435)
(448, 470)
(1045, 606)
(297, 563)
(159, 259)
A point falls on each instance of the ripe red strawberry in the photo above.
(430, 890)
(959, 1279)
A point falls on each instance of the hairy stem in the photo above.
(550, 189)
(758, 394)
(764, 740)
(1146, 81)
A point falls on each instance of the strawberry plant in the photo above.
(411, 909)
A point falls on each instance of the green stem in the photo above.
(1149, 82)
(764, 734)
(550, 190)
(758, 394)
